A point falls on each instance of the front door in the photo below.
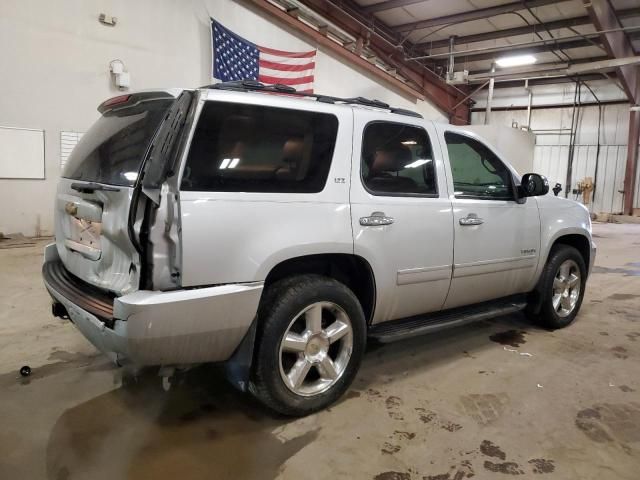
(401, 215)
(497, 239)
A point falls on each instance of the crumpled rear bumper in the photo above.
(158, 328)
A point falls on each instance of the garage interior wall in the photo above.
(55, 72)
(552, 128)
(515, 145)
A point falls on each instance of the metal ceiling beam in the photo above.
(388, 5)
(474, 14)
(349, 18)
(577, 61)
(603, 66)
(509, 32)
(618, 45)
(336, 48)
(524, 30)
(352, 14)
(592, 38)
(558, 45)
(589, 77)
(551, 105)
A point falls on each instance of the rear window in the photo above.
(113, 149)
(397, 160)
(249, 148)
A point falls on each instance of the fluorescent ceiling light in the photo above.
(417, 163)
(229, 163)
(131, 176)
(409, 142)
(516, 61)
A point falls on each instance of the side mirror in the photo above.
(533, 185)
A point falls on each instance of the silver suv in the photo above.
(276, 232)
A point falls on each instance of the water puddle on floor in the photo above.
(512, 338)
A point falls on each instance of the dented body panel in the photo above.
(176, 327)
(92, 240)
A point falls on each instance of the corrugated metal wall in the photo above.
(551, 152)
(551, 161)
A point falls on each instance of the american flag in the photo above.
(235, 58)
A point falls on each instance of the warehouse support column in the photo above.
(487, 113)
(632, 161)
(618, 45)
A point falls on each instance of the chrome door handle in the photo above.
(375, 220)
(471, 219)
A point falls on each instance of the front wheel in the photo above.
(561, 287)
(310, 344)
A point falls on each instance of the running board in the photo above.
(395, 330)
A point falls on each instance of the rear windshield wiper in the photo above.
(92, 187)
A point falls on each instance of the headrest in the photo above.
(391, 158)
(293, 150)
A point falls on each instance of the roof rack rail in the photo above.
(254, 86)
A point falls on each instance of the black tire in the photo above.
(280, 304)
(544, 313)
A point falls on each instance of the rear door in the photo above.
(401, 216)
(95, 192)
(497, 239)
(264, 181)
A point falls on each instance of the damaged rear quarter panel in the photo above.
(231, 237)
(187, 326)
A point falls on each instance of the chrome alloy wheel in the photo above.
(566, 288)
(315, 349)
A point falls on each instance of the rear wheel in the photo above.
(561, 287)
(310, 344)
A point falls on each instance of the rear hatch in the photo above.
(94, 198)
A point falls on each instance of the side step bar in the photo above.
(395, 330)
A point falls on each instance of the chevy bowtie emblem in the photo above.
(71, 208)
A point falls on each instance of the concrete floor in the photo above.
(487, 401)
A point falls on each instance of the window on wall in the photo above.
(251, 148)
(397, 160)
(477, 172)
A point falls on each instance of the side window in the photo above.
(397, 160)
(477, 172)
(249, 148)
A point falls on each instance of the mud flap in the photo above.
(535, 302)
(238, 367)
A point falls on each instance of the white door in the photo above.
(497, 238)
(264, 181)
(401, 216)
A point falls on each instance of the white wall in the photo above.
(552, 127)
(614, 128)
(514, 145)
(54, 59)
